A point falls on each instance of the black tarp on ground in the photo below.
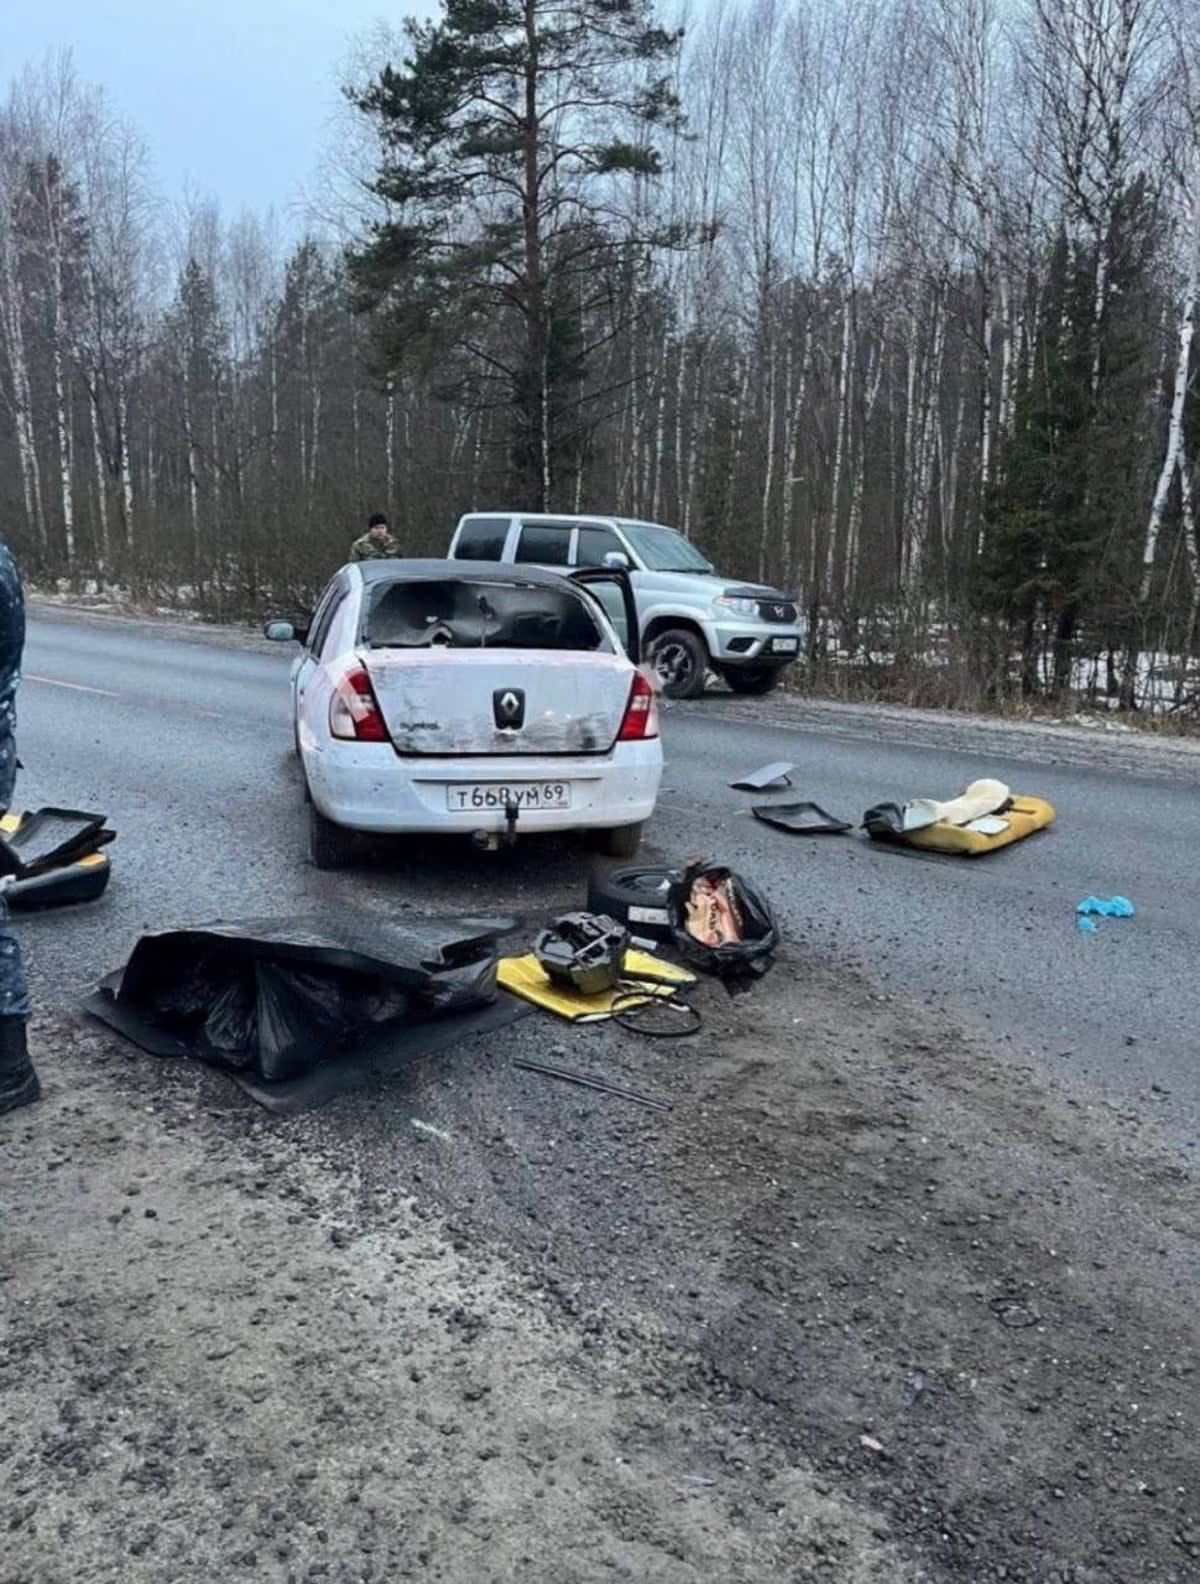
(278, 1002)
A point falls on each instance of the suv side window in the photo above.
(594, 544)
(546, 543)
(323, 620)
(481, 539)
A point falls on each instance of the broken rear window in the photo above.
(465, 615)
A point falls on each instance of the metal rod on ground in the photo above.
(586, 1081)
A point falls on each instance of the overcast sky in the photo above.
(234, 97)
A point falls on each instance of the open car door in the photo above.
(612, 590)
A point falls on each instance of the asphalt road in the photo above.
(182, 737)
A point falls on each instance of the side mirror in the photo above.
(280, 632)
(616, 561)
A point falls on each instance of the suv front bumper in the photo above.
(753, 644)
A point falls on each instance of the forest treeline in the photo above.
(890, 301)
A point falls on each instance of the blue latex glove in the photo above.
(1106, 907)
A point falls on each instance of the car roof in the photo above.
(395, 570)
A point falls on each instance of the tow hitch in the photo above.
(491, 840)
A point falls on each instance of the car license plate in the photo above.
(785, 645)
(499, 795)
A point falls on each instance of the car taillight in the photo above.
(353, 711)
(641, 713)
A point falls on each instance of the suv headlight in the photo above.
(736, 606)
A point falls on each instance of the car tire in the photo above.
(680, 661)
(618, 841)
(640, 888)
(330, 846)
(753, 682)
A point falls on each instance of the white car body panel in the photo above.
(441, 700)
(358, 786)
(437, 704)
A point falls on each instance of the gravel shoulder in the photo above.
(1102, 744)
(866, 1305)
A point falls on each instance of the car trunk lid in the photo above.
(452, 702)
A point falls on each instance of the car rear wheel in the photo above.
(330, 846)
(621, 841)
(680, 661)
(752, 681)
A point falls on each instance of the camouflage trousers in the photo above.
(14, 997)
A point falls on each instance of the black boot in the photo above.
(18, 1082)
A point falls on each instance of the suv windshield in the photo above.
(664, 550)
(459, 614)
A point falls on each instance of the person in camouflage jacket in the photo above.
(377, 543)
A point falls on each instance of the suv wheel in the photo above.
(753, 681)
(680, 661)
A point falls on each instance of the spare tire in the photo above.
(634, 894)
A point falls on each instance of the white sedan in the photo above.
(472, 698)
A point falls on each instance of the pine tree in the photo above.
(1063, 530)
(510, 133)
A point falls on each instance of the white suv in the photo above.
(692, 620)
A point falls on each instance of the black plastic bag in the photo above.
(885, 822)
(465, 978)
(738, 964)
(277, 998)
(230, 1030)
(301, 1022)
(183, 1000)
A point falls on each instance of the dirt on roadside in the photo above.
(866, 1305)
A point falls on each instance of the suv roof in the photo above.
(566, 516)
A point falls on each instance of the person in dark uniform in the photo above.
(18, 1081)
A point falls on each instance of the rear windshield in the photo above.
(465, 615)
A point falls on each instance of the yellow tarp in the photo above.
(1024, 816)
(525, 977)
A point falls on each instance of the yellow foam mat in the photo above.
(1026, 815)
(525, 977)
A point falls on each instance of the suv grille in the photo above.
(777, 611)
